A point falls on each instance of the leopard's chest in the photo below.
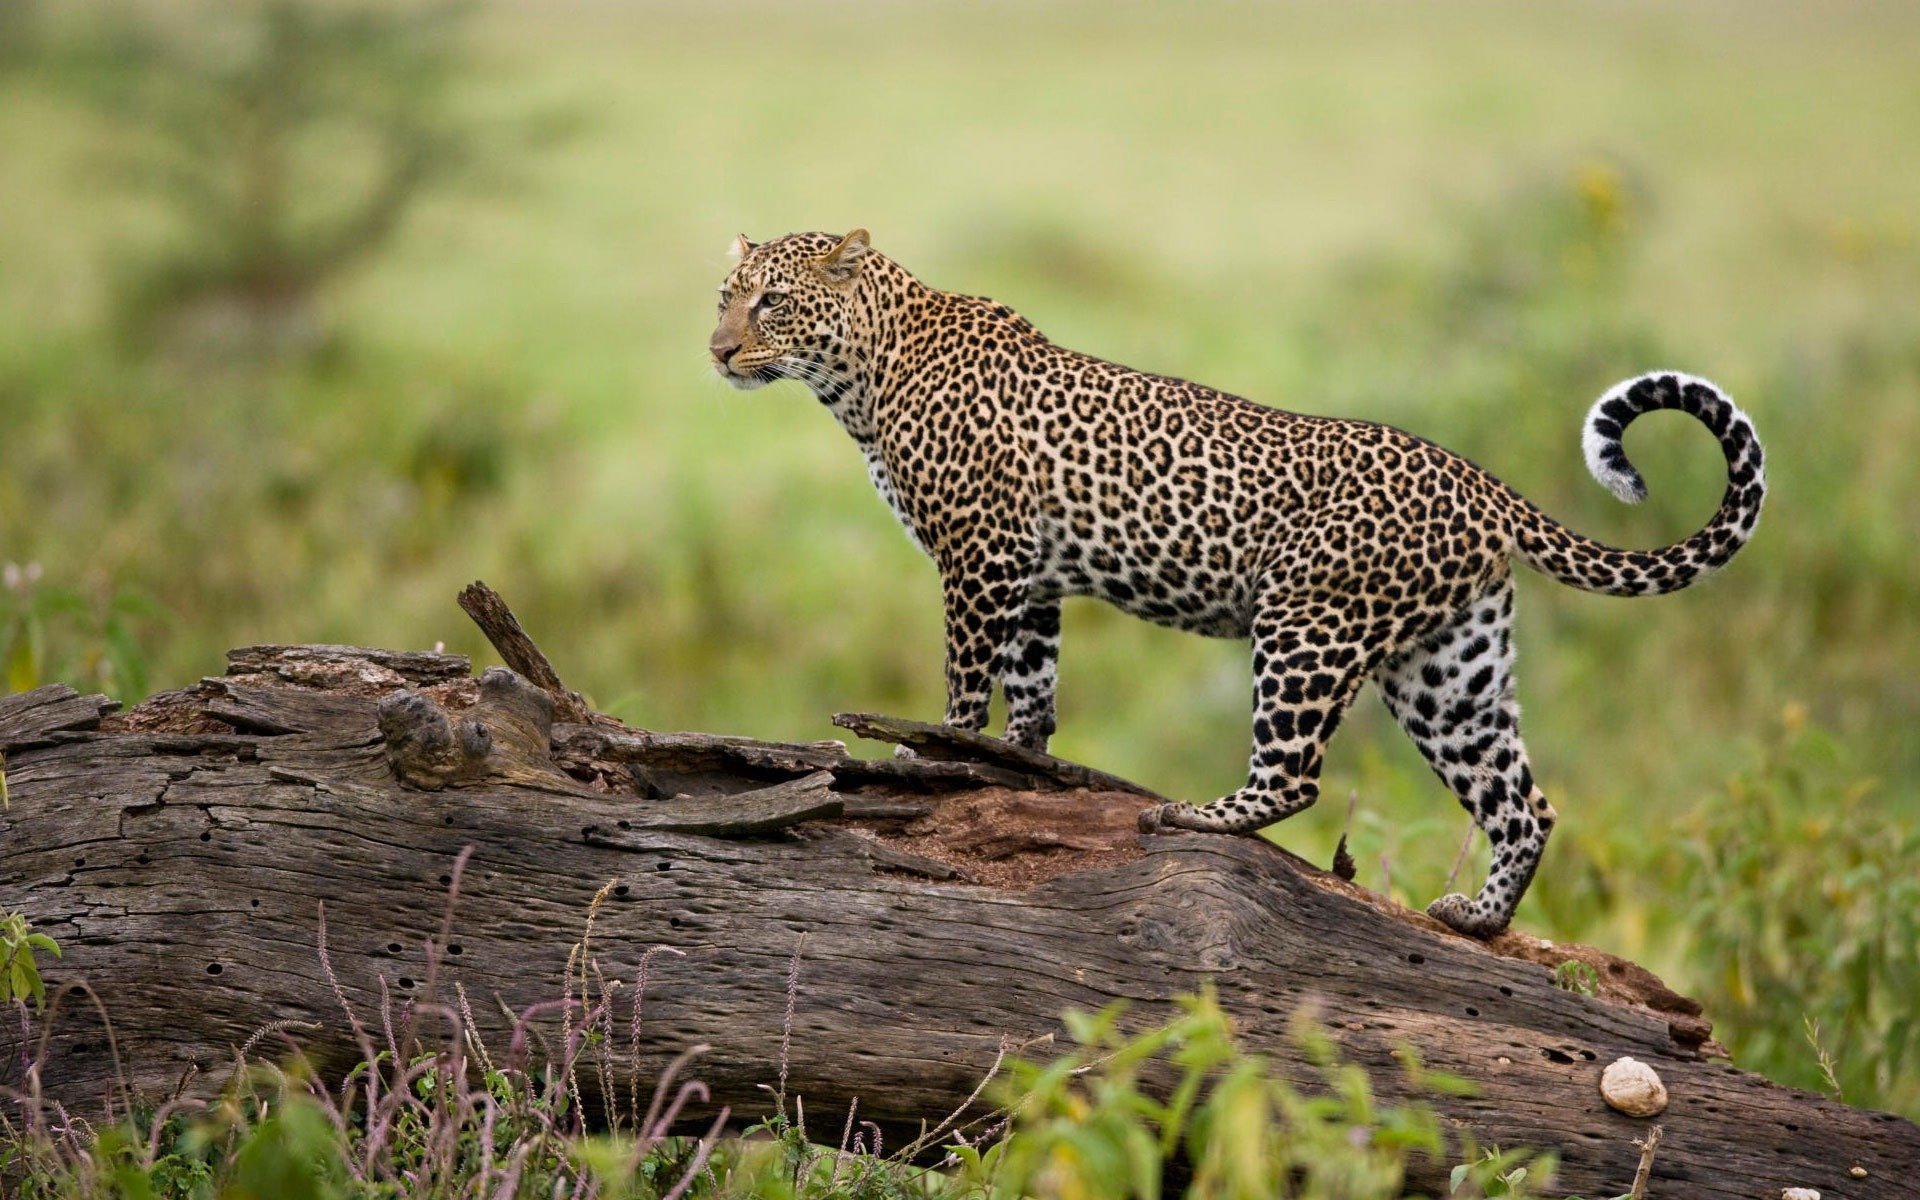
(882, 481)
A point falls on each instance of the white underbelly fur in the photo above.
(882, 483)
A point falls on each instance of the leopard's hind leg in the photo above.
(1453, 694)
(1309, 660)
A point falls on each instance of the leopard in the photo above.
(1342, 550)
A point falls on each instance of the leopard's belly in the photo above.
(1188, 590)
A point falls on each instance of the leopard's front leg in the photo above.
(983, 598)
(1030, 671)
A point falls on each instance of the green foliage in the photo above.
(1515, 1174)
(50, 634)
(273, 1134)
(19, 32)
(1089, 1125)
(1576, 976)
(285, 139)
(19, 972)
(292, 1154)
(1117, 1117)
(244, 1148)
(1805, 918)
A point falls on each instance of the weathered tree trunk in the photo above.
(950, 900)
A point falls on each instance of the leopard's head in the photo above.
(787, 308)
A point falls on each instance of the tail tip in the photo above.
(1606, 459)
(1627, 485)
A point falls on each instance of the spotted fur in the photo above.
(1345, 550)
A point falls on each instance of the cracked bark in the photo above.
(950, 900)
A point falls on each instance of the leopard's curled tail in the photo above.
(1551, 547)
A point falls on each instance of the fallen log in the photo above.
(952, 903)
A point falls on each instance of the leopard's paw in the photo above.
(905, 752)
(1028, 739)
(1163, 818)
(1457, 913)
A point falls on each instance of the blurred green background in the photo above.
(312, 311)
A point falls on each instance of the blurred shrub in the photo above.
(19, 32)
(285, 140)
(1805, 920)
(50, 634)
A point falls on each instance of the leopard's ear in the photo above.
(741, 247)
(843, 261)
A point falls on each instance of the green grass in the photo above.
(1464, 220)
(453, 1120)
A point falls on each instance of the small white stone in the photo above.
(1799, 1194)
(1630, 1086)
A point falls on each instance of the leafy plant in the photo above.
(19, 973)
(1576, 976)
(1087, 1124)
(1805, 918)
(49, 633)
(1496, 1173)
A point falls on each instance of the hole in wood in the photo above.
(79, 862)
(214, 968)
(447, 820)
(1558, 1056)
(1472, 1011)
(454, 949)
(206, 837)
(1505, 990)
(622, 890)
(666, 866)
(624, 823)
(255, 902)
(1416, 959)
(446, 881)
(393, 947)
(405, 982)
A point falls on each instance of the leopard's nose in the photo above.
(722, 349)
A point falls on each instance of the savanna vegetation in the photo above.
(434, 1111)
(311, 313)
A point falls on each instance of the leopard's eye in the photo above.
(772, 299)
(725, 298)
